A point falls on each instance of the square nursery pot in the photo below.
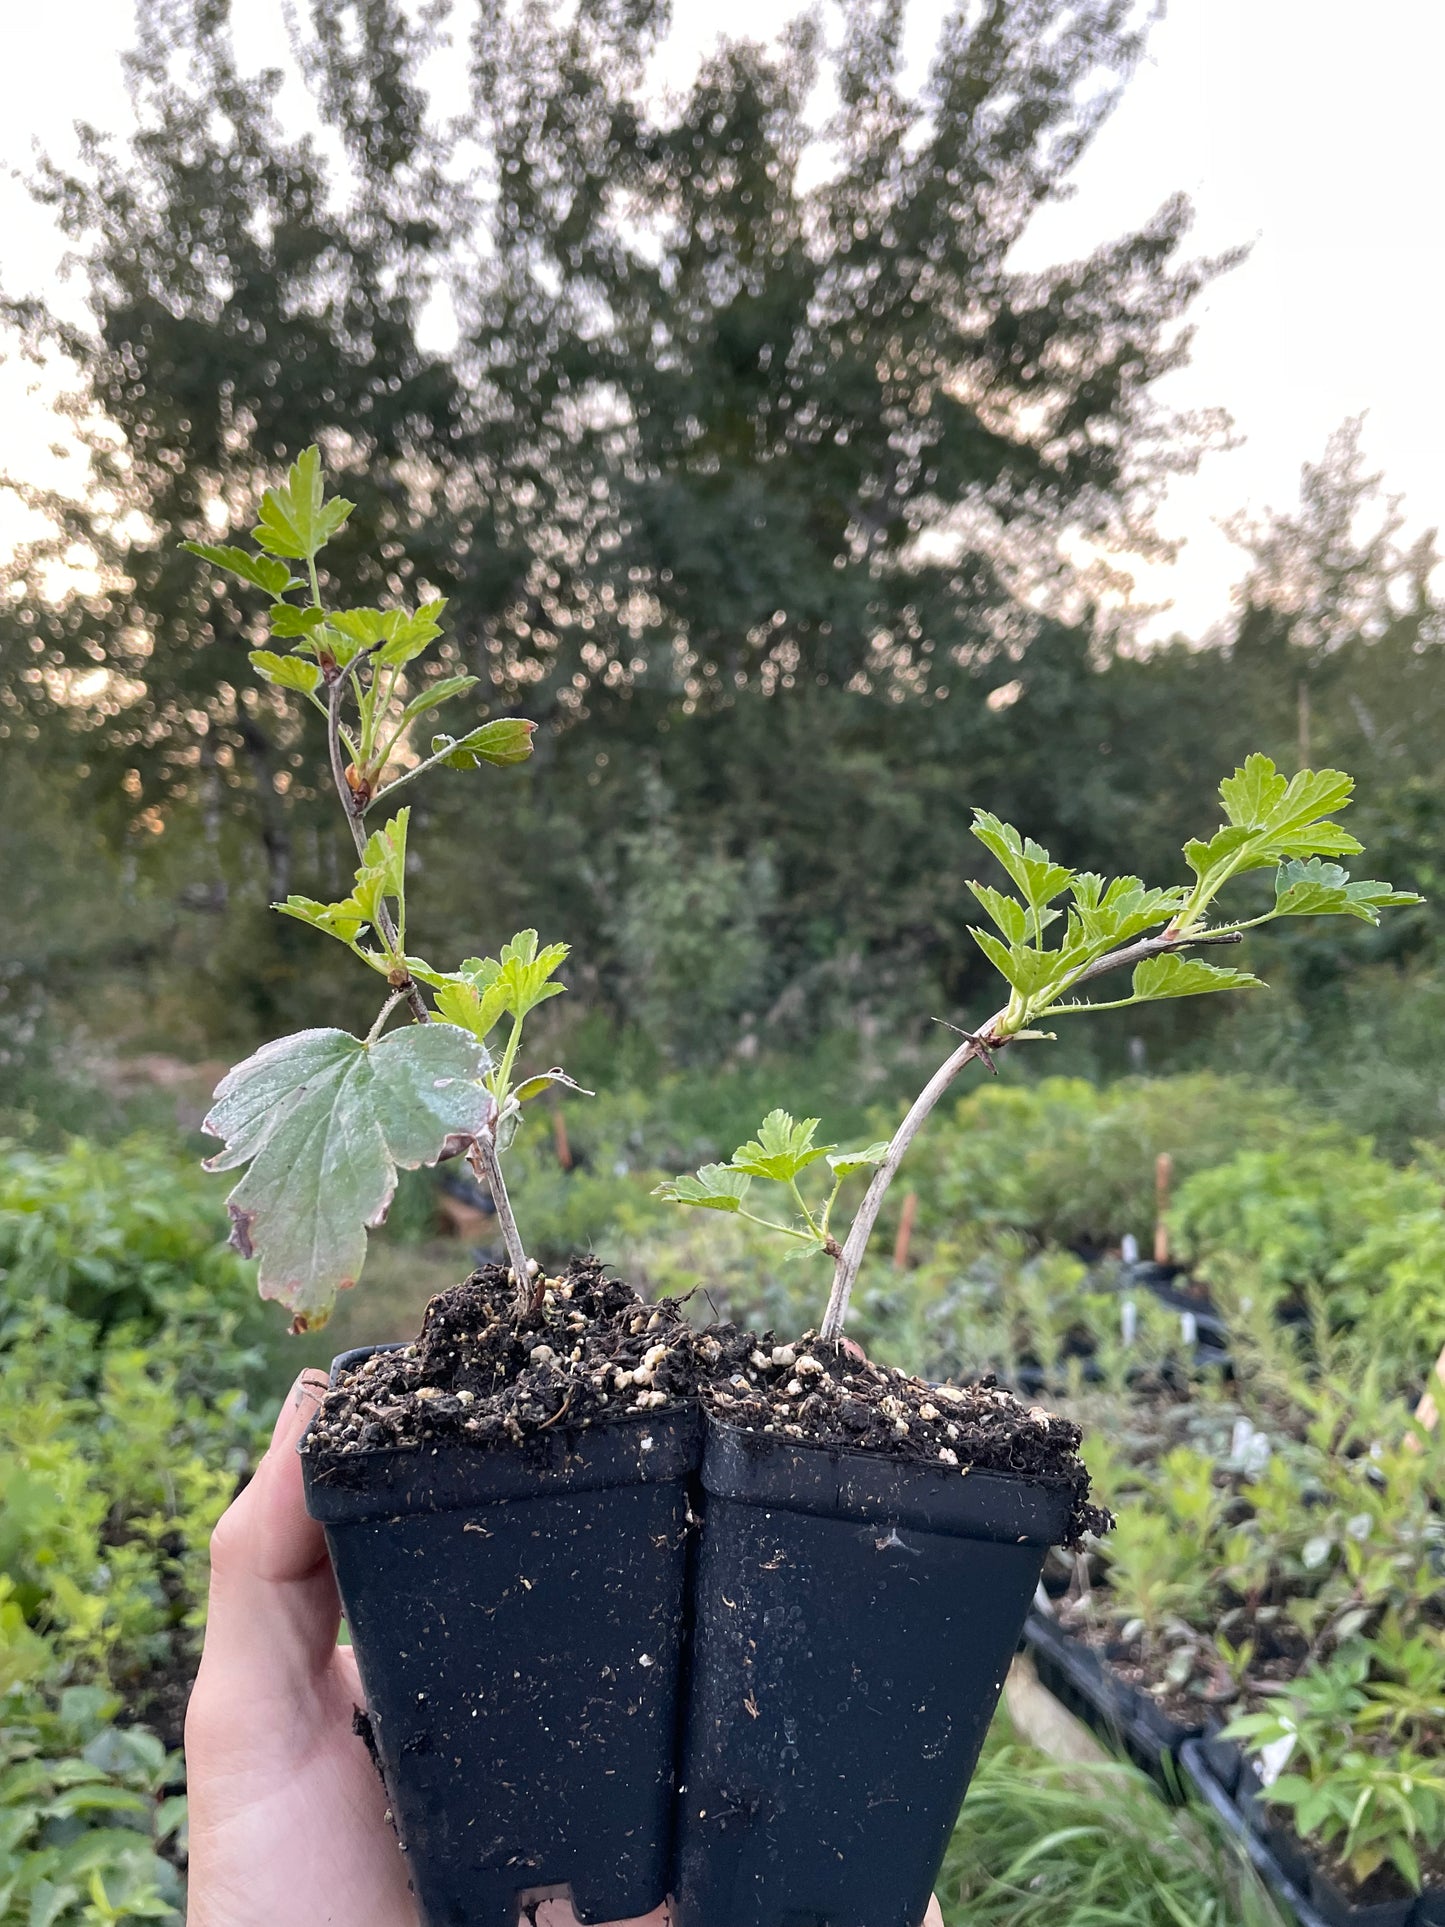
(517, 1616)
(855, 1616)
(1336, 1909)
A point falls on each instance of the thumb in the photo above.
(274, 1606)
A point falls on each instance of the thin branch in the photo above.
(985, 1040)
(335, 693)
(410, 775)
(485, 1163)
(387, 1008)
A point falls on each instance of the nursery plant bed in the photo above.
(1128, 1719)
(1304, 1887)
(517, 1601)
(1169, 1284)
(856, 1615)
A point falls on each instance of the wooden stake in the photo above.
(1163, 1176)
(905, 1231)
(559, 1138)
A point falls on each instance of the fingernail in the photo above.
(297, 1407)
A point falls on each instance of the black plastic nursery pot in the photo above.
(855, 1618)
(517, 1616)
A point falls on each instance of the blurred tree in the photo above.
(735, 401)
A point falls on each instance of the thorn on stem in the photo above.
(985, 1046)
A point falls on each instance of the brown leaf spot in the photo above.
(241, 1223)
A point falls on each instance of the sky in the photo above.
(1307, 130)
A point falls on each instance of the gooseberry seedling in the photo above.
(1270, 822)
(322, 1120)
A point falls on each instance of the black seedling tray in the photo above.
(1128, 1720)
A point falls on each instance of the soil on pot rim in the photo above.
(482, 1373)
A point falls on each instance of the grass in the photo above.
(1045, 1844)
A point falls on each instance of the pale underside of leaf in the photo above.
(323, 1121)
(845, 1163)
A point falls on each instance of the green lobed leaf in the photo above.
(506, 741)
(1204, 857)
(426, 973)
(1028, 863)
(1174, 976)
(1126, 909)
(394, 636)
(365, 627)
(845, 1163)
(382, 873)
(1316, 888)
(412, 634)
(296, 519)
(1316, 839)
(323, 1121)
(290, 619)
(1254, 791)
(1009, 914)
(717, 1187)
(488, 988)
(435, 694)
(475, 1008)
(524, 973)
(1030, 972)
(1258, 797)
(1272, 820)
(782, 1148)
(287, 672)
(345, 920)
(260, 570)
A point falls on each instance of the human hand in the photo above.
(288, 1822)
(287, 1814)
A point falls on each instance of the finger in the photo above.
(558, 1913)
(274, 1605)
(934, 1916)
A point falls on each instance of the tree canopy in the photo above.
(739, 396)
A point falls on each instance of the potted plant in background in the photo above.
(506, 1499)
